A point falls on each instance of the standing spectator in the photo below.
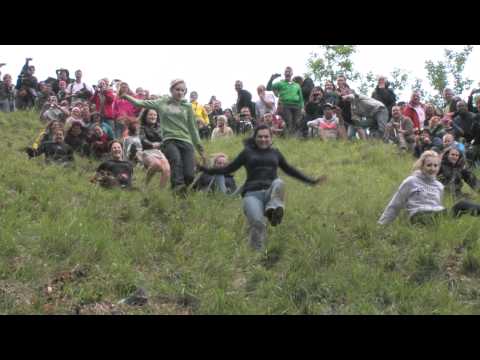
(290, 100)
(246, 122)
(343, 89)
(244, 98)
(7, 94)
(330, 125)
(230, 119)
(222, 130)
(180, 134)
(384, 93)
(44, 94)
(79, 90)
(201, 116)
(450, 101)
(306, 85)
(103, 100)
(62, 93)
(471, 108)
(274, 122)
(463, 122)
(122, 109)
(26, 87)
(330, 94)
(415, 110)
(266, 102)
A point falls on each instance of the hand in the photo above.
(29, 59)
(274, 76)
(2, 64)
(320, 180)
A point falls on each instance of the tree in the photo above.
(367, 84)
(398, 79)
(451, 68)
(335, 61)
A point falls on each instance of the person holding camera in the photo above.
(56, 151)
(79, 90)
(384, 93)
(52, 111)
(179, 133)
(26, 87)
(266, 102)
(103, 100)
(7, 94)
(290, 100)
(245, 121)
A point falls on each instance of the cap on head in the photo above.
(175, 82)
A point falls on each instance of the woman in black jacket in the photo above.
(150, 132)
(385, 94)
(263, 192)
(453, 172)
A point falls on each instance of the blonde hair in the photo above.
(421, 162)
(214, 157)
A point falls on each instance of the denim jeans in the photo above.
(219, 181)
(255, 203)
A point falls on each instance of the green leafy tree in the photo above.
(367, 84)
(334, 60)
(398, 79)
(450, 71)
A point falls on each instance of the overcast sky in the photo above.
(210, 69)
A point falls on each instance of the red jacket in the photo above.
(412, 114)
(108, 108)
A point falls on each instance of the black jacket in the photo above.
(57, 153)
(149, 135)
(385, 96)
(121, 170)
(451, 175)
(245, 100)
(464, 123)
(261, 166)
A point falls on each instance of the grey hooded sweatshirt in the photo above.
(417, 193)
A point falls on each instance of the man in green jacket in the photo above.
(290, 100)
(179, 133)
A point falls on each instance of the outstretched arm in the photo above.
(231, 168)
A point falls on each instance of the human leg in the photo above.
(253, 207)
(176, 164)
(466, 207)
(188, 159)
(275, 197)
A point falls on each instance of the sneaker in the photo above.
(274, 216)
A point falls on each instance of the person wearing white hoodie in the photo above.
(421, 195)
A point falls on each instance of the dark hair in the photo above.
(132, 129)
(143, 118)
(250, 142)
(110, 144)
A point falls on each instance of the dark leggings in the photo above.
(181, 157)
(460, 208)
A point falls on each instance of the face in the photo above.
(117, 152)
(429, 109)
(268, 118)
(7, 79)
(341, 81)
(102, 84)
(124, 88)
(453, 156)
(62, 85)
(76, 112)
(415, 98)
(63, 75)
(328, 112)
(431, 166)
(328, 86)
(98, 131)
(288, 72)
(245, 113)
(220, 123)
(434, 121)
(448, 94)
(220, 162)
(263, 139)
(31, 70)
(78, 74)
(208, 108)
(462, 107)
(193, 96)
(52, 99)
(178, 91)
(396, 113)
(238, 85)
(261, 90)
(58, 136)
(152, 117)
(447, 140)
(381, 82)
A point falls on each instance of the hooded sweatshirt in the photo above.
(417, 193)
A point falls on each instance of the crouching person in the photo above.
(400, 130)
(217, 183)
(263, 192)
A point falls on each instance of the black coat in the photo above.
(386, 96)
(453, 175)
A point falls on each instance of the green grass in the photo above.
(191, 256)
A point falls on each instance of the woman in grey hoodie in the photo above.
(421, 195)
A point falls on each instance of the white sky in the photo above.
(211, 69)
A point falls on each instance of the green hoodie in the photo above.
(177, 121)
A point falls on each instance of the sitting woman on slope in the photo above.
(421, 195)
(263, 192)
(115, 172)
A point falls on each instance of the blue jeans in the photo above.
(255, 203)
(219, 181)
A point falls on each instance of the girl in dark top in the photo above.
(77, 138)
(453, 172)
(115, 172)
(263, 192)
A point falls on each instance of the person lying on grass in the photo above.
(421, 195)
(152, 158)
(115, 172)
(263, 192)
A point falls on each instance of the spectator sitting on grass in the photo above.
(400, 130)
(330, 126)
(115, 172)
(77, 138)
(274, 122)
(55, 151)
(449, 141)
(217, 183)
(421, 195)
(423, 142)
(222, 130)
(453, 172)
(98, 142)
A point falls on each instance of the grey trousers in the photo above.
(255, 204)
(7, 105)
(380, 119)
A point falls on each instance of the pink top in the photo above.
(122, 107)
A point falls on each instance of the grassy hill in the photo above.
(67, 246)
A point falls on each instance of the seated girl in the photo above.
(453, 172)
(212, 183)
(56, 151)
(421, 195)
(97, 140)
